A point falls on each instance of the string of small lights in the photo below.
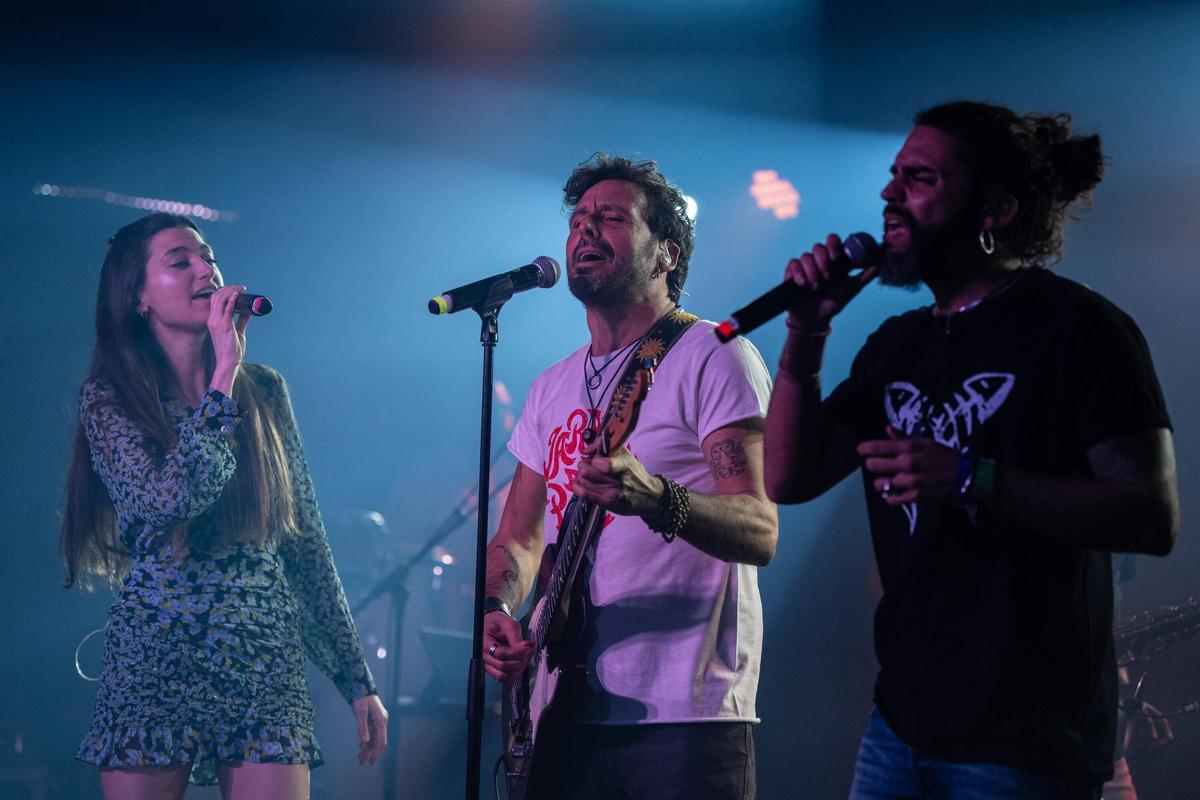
(134, 201)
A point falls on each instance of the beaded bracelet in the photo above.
(673, 508)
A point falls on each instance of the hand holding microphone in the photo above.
(825, 271)
(229, 334)
(817, 286)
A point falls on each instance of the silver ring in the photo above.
(887, 488)
(492, 649)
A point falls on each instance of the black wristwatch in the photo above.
(491, 604)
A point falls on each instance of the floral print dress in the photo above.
(205, 653)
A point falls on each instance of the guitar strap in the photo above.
(649, 354)
(654, 348)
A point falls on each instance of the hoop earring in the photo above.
(987, 241)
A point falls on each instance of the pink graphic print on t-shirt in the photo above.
(559, 469)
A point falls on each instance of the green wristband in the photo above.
(983, 487)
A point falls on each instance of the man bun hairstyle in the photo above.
(1035, 158)
(666, 206)
(1077, 163)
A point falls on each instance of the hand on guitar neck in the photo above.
(618, 482)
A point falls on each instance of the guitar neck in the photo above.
(579, 525)
(583, 520)
(1155, 631)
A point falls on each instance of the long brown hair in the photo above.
(256, 503)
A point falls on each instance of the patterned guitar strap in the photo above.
(649, 355)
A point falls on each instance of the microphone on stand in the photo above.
(541, 274)
(861, 252)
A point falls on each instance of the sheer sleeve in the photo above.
(158, 491)
(326, 627)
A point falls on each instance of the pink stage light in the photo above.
(775, 194)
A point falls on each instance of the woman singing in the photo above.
(188, 487)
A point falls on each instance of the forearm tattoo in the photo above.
(511, 574)
(727, 458)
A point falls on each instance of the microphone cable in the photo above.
(79, 647)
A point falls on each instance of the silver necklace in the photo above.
(993, 292)
(596, 375)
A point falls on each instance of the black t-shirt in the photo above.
(995, 642)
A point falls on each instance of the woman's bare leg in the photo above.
(145, 783)
(247, 781)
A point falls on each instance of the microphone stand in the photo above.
(394, 584)
(489, 334)
(499, 293)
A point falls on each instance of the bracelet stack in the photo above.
(673, 510)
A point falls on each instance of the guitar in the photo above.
(1151, 632)
(538, 705)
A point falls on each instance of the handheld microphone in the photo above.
(496, 290)
(256, 304)
(861, 252)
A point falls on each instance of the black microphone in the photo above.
(542, 274)
(861, 252)
(256, 304)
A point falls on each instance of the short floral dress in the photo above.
(204, 653)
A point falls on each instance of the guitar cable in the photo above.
(496, 777)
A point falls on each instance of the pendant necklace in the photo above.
(593, 377)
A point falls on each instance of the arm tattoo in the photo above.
(728, 458)
(513, 573)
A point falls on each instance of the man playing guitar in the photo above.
(669, 621)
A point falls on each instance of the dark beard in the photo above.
(934, 254)
(901, 269)
(593, 291)
(596, 291)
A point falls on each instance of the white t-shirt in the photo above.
(678, 632)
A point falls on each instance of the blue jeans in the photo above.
(888, 769)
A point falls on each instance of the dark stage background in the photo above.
(374, 153)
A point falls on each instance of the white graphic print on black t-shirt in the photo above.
(993, 637)
(950, 422)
